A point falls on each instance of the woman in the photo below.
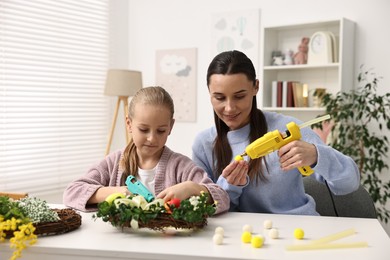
(271, 184)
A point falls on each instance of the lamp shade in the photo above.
(123, 82)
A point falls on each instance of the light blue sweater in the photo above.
(283, 193)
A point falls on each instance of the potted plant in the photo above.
(358, 119)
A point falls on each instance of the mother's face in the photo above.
(231, 97)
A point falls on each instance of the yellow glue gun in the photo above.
(274, 140)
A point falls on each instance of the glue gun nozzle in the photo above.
(243, 154)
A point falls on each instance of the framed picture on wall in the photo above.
(176, 71)
(237, 30)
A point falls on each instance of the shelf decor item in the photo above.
(135, 212)
(23, 221)
(321, 47)
(300, 57)
(330, 68)
(318, 95)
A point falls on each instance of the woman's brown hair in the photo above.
(228, 63)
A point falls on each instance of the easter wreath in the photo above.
(134, 212)
(22, 221)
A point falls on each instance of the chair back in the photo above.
(357, 204)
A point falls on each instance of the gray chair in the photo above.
(357, 204)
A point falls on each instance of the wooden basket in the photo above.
(69, 220)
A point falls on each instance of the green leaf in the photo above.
(189, 210)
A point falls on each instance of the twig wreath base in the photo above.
(133, 212)
(163, 222)
(69, 221)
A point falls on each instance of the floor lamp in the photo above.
(123, 84)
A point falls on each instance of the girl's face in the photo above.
(150, 128)
(232, 97)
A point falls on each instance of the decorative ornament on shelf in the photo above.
(322, 44)
(288, 57)
(301, 56)
(305, 95)
(277, 58)
(134, 212)
(318, 95)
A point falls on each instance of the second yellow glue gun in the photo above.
(273, 141)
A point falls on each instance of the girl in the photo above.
(271, 184)
(162, 171)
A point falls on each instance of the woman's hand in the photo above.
(182, 191)
(297, 154)
(235, 173)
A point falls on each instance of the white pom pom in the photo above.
(247, 228)
(218, 239)
(267, 224)
(219, 230)
(273, 233)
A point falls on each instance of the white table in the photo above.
(100, 240)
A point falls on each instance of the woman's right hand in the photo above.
(235, 173)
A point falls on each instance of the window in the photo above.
(53, 115)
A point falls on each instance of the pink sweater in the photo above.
(172, 168)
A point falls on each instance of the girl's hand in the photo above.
(297, 154)
(182, 191)
(102, 193)
(235, 173)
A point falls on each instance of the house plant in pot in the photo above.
(360, 122)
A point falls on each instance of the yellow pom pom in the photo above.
(299, 233)
(238, 158)
(110, 198)
(257, 241)
(246, 237)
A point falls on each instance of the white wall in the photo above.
(170, 24)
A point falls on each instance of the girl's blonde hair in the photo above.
(156, 96)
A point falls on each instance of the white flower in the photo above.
(134, 224)
(138, 201)
(38, 210)
(158, 202)
(194, 200)
(125, 201)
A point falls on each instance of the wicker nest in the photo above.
(162, 222)
(69, 220)
(133, 212)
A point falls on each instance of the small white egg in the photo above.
(219, 230)
(247, 228)
(267, 224)
(218, 239)
(273, 233)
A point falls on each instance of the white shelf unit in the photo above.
(333, 76)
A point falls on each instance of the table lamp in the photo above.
(123, 84)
